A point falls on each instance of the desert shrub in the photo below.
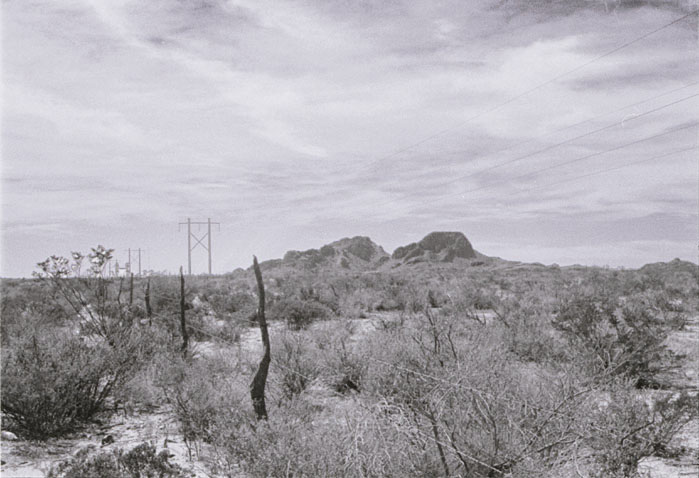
(201, 392)
(205, 328)
(527, 331)
(397, 293)
(301, 441)
(231, 331)
(323, 356)
(483, 412)
(354, 295)
(295, 364)
(627, 428)
(28, 299)
(437, 298)
(53, 382)
(531, 339)
(298, 313)
(627, 340)
(139, 462)
(343, 366)
(355, 304)
(225, 303)
(469, 299)
(140, 390)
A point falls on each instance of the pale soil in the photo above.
(32, 459)
(687, 378)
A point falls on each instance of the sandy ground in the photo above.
(33, 459)
(685, 342)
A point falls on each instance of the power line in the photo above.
(579, 123)
(531, 90)
(546, 149)
(602, 171)
(575, 160)
(549, 133)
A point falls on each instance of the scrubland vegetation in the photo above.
(462, 369)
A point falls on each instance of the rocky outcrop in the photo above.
(361, 254)
(355, 253)
(436, 247)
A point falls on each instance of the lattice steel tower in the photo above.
(198, 240)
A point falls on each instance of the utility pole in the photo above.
(130, 269)
(208, 235)
(199, 240)
(189, 247)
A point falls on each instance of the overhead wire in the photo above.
(540, 151)
(571, 126)
(557, 165)
(602, 171)
(567, 141)
(585, 157)
(532, 89)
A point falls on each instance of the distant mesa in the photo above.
(436, 247)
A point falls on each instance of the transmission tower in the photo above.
(198, 240)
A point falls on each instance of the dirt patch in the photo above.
(34, 459)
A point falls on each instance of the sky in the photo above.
(545, 131)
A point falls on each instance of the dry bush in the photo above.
(139, 462)
(322, 355)
(482, 412)
(299, 313)
(627, 427)
(202, 392)
(627, 341)
(527, 332)
(53, 381)
(29, 300)
(295, 365)
(300, 441)
(227, 302)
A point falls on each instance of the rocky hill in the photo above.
(361, 254)
(436, 247)
(355, 254)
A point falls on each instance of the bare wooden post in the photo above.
(257, 387)
(131, 290)
(149, 310)
(183, 324)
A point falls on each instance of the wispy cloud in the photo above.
(305, 120)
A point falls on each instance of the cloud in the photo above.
(308, 118)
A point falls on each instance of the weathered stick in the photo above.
(131, 290)
(183, 324)
(149, 310)
(257, 387)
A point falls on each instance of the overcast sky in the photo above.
(296, 123)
